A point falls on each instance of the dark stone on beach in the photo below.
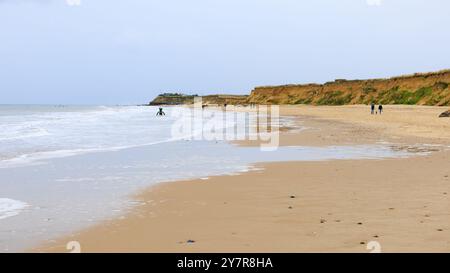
(290, 207)
(292, 196)
(323, 221)
(445, 114)
(362, 243)
(190, 241)
(360, 223)
(376, 236)
(440, 229)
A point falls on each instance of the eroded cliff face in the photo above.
(179, 99)
(421, 89)
(225, 99)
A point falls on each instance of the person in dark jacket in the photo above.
(160, 112)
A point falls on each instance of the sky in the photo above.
(127, 52)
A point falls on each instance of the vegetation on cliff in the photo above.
(421, 89)
(179, 99)
(173, 99)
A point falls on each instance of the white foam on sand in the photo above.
(10, 207)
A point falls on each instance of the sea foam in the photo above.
(10, 207)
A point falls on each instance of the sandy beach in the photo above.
(327, 206)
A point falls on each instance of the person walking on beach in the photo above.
(372, 108)
(160, 112)
(380, 108)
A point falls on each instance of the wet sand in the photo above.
(330, 206)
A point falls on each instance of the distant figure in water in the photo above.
(380, 108)
(372, 108)
(160, 112)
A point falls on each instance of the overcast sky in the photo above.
(127, 51)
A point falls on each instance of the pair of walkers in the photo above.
(372, 109)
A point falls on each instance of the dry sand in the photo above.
(332, 206)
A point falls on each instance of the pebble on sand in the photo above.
(446, 114)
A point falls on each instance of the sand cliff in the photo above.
(417, 89)
(420, 89)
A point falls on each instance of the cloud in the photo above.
(25, 1)
(73, 2)
(68, 2)
(22, 1)
(374, 2)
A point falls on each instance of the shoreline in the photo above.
(254, 211)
